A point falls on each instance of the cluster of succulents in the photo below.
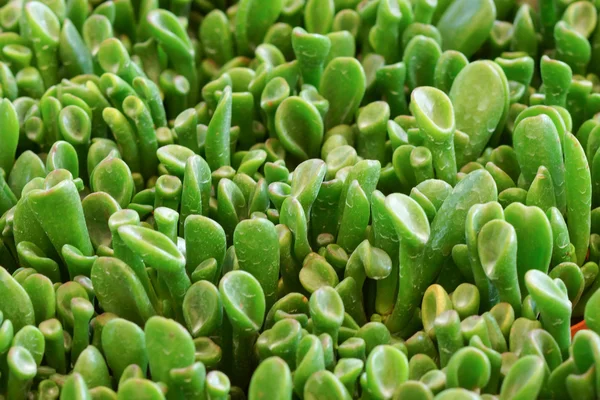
(299, 199)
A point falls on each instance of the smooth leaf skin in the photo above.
(541, 191)
(273, 94)
(124, 253)
(372, 126)
(195, 195)
(385, 34)
(202, 309)
(413, 230)
(413, 390)
(479, 96)
(216, 37)
(524, 36)
(113, 176)
(159, 252)
(75, 387)
(524, 379)
(169, 32)
(434, 115)
(189, 382)
(519, 331)
(97, 209)
(558, 76)
(73, 51)
(7, 197)
(555, 308)
(289, 234)
(306, 182)
(533, 232)
(326, 311)
(27, 167)
(541, 131)
(141, 115)
(585, 350)
(325, 385)
(154, 247)
(271, 380)
(318, 16)
(169, 345)
(31, 339)
(578, 195)
(453, 393)
(41, 293)
(409, 219)
(9, 136)
(252, 21)
(343, 84)
(82, 311)
(92, 367)
(299, 127)
(309, 359)
(66, 226)
(573, 278)
(217, 385)
(447, 230)
(393, 362)
(497, 249)
(468, 368)
(568, 38)
(138, 386)
(366, 173)
(435, 302)
(185, 127)
(54, 344)
(75, 126)
(582, 385)
(99, 149)
(373, 334)
(579, 16)
(540, 343)
(348, 371)
(292, 215)
(120, 291)
(217, 142)
(310, 49)
(450, 63)
(448, 334)
(123, 344)
(204, 239)
(385, 239)
(43, 24)
(292, 303)
(49, 389)
(559, 118)
(355, 218)
(21, 369)
(477, 217)
(14, 302)
(367, 262)
(390, 79)
(458, 28)
(420, 57)
(562, 243)
(419, 365)
(31, 256)
(282, 341)
(592, 319)
(231, 206)
(243, 300)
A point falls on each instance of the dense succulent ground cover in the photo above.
(299, 199)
